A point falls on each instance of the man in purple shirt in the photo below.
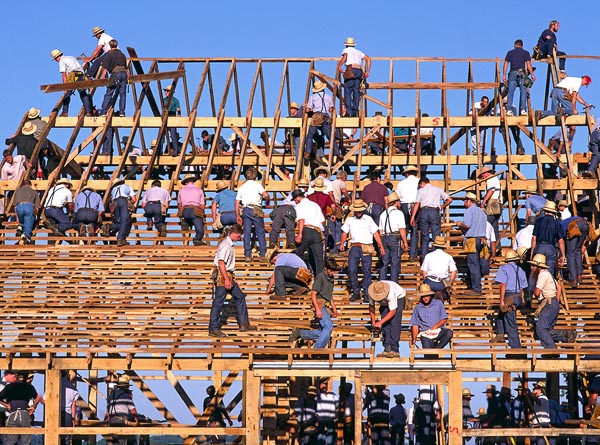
(375, 194)
(155, 204)
(190, 207)
(286, 274)
(428, 320)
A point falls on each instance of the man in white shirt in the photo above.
(59, 197)
(390, 297)
(392, 228)
(100, 51)
(524, 236)
(492, 201)
(561, 102)
(310, 220)
(563, 208)
(439, 269)
(407, 192)
(340, 192)
(13, 166)
(362, 230)
(71, 72)
(352, 58)
(250, 196)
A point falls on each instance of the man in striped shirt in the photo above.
(328, 404)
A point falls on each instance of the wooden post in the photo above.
(52, 411)
(455, 408)
(251, 408)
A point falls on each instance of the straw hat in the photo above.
(530, 189)
(410, 168)
(319, 184)
(483, 170)
(521, 252)
(123, 381)
(318, 86)
(359, 206)
(118, 182)
(63, 181)
(539, 260)
(392, 198)
(188, 178)
(232, 137)
(471, 197)
(153, 143)
(272, 254)
(541, 384)
(425, 289)
(349, 41)
(550, 207)
(168, 88)
(440, 241)
(320, 170)
(378, 290)
(222, 185)
(467, 393)
(303, 183)
(97, 30)
(511, 255)
(28, 128)
(311, 391)
(56, 53)
(562, 202)
(33, 113)
(294, 105)
(490, 389)
(88, 187)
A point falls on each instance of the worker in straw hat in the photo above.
(191, 207)
(547, 291)
(473, 228)
(492, 199)
(25, 142)
(292, 135)
(541, 410)
(120, 409)
(513, 282)
(352, 59)
(155, 204)
(99, 52)
(223, 205)
(59, 198)
(71, 71)
(34, 116)
(392, 228)
(389, 295)
(439, 269)
(320, 104)
(547, 234)
(362, 231)
(174, 110)
(428, 321)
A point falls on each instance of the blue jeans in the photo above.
(26, 215)
(61, 219)
(413, 231)
(85, 216)
(86, 100)
(544, 327)
(153, 213)
(198, 223)
(239, 300)
(249, 221)
(327, 432)
(594, 143)
(558, 100)
(174, 136)
(283, 216)
(326, 130)
(474, 266)
(391, 258)
(356, 257)
(352, 93)
(428, 218)
(546, 50)
(574, 253)
(107, 144)
(335, 235)
(439, 342)
(391, 329)
(550, 251)
(228, 218)
(112, 93)
(321, 335)
(121, 219)
(375, 211)
(506, 322)
(515, 80)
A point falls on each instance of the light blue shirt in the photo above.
(89, 200)
(431, 196)
(425, 317)
(122, 190)
(289, 260)
(320, 102)
(475, 218)
(535, 203)
(225, 199)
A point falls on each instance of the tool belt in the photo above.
(509, 305)
(257, 210)
(367, 249)
(75, 76)
(493, 207)
(318, 119)
(218, 278)
(303, 275)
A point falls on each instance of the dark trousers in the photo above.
(257, 224)
(574, 252)
(239, 300)
(60, 218)
(283, 216)
(390, 262)
(312, 240)
(413, 231)
(285, 276)
(85, 216)
(439, 342)
(153, 213)
(356, 257)
(114, 93)
(544, 327)
(474, 266)
(92, 71)
(437, 286)
(352, 93)
(546, 50)
(375, 211)
(312, 132)
(193, 220)
(551, 257)
(494, 220)
(121, 219)
(391, 329)
(86, 100)
(594, 143)
(429, 219)
(506, 323)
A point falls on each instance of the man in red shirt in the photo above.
(319, 197)
(374, 195)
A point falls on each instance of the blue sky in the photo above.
(30, 30)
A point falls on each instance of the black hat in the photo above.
(296, 193)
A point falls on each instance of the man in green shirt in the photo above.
(174, 110)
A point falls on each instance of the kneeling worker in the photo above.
(290, 271)
(390, 297)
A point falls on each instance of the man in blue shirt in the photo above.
(474, 229)
(547, 234)
(89, 209)
(122, 195)
(547, 43)
(428, 320)
(290, 271)
(320, 104)
(533, 202)
(574, 241)
(520, 66)
(513, 281)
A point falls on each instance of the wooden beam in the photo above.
(432, 85)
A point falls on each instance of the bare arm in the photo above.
(414, 213)
(237, 211)
(504, 68)
(446, 203)
(342, 61)
(367, 66)
(214, 209)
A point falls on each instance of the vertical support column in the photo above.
(251, 408)
(358, 390)
(455, 408)
(52, 411)
(93, 399)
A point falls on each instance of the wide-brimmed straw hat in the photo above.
(88, 187)
(530, 189)
(349, 41)
(483, 170)
(222, 185)
(28, 128)
(33, 113)
(232, 137)
(410, 168)
(550, 207)
(471, 197)
(168, 88)
(424, 290)
(123, 381)
(303, 182)
(312, 391)
(541, 384)
(62, 181)
(359, 206)
(272, 254)
(55, 53)
(319, 184)
(189, 178)
(466, 392)
(378, 290)
(511, 255)
(563, 202)
(392, 198)
(318, 86)
(539, 260)
(440, 241)
(97, 30)
(320, 170)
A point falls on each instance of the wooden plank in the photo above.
(432, 85)
(56, 87)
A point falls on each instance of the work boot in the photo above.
(19, 231)
(571, 336)
(122, 242)
(91, 230)
(217, 333)
(295, 335)
(163, 231)
(248, 328)
(385, 352)
(499, 338)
